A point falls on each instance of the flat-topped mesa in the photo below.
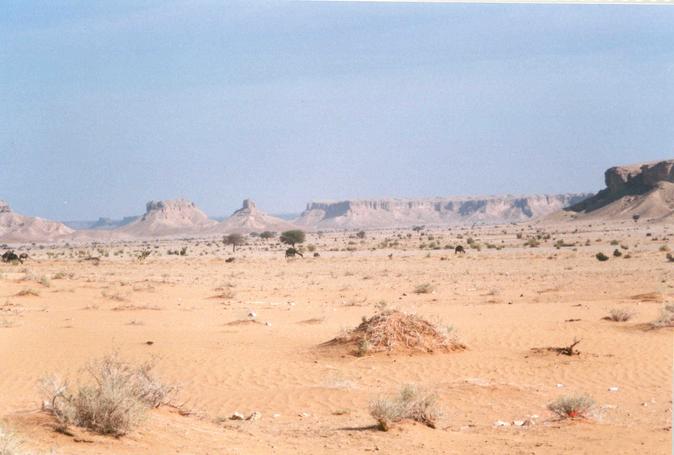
(638, 178)
(387, 213)
(638, 191)
(168, 217)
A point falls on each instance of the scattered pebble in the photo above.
(613, 389)
(559, 386)
(252, 315)
(501, 423)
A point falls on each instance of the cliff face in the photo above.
(638, 178)
(382, 213)
(645, 190)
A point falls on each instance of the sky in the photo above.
(106, 105)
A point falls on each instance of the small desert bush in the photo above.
(411, 403)
(425, 288)
(28, 292)
(601, 257)
(617, 253)
(670, 257)
(114, 400)
(572, 406)
(666, 318)
(620, 315)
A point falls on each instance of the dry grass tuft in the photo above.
(572, 406)
(620, 315)
(425, 288)
(666, 318)
(394, 330)
(411, 403)
(114, 400)
(28, 292)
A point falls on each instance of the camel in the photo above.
(291, 252)
(459, 249)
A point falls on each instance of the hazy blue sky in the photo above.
(105, 105)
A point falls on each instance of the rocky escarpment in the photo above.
(15, 227)
(644, 190)
(383, 213)
(169, 217)
(250, 219)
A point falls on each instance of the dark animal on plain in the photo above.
(316, 255)
(459, 249)
(11, 256)
(292, 252)
(23, 256)
(230, 259)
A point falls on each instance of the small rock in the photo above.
(268, 324)
(559, 386)
(501, 423)
(252, 315)
(237, 416)
(613, 389)
(304, 414)
(519, 423)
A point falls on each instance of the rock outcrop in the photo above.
(170, 217)
(16, 228)
(250, 219)
(386, 213)
(644, 190)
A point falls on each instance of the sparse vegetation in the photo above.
(425, 288)
(293, 237)
(572, 406)
(666, 318)
(411, 403)
(601, 257)
(113, 402)
(234, 240)
(620, 315)
(28, 292)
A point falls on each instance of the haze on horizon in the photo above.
(106, 105)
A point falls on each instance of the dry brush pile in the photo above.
(393, 330)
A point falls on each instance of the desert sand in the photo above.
(502, 300)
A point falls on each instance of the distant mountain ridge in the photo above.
(383, 213)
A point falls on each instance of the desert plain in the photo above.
(248, 336)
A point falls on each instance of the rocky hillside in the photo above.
(21, 228)
(385, 213)
(644, 190)
(249, 219)
(170, 217)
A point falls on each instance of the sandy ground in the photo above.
(501, 303)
